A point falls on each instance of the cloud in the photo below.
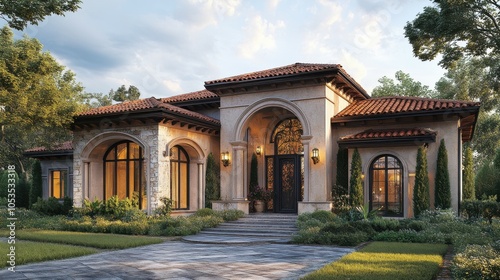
(199, 14)
(353, 66)
(260, 36)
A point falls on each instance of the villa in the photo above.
(295, 118)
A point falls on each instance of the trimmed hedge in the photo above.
(477, 209)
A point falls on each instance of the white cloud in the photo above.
(353, 66)
(272, 4)
(202, 13)
(172, 86)
(260, 36)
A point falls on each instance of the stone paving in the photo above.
(180, 260)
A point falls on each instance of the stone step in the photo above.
(253, 228)
(237, 231)
(248, 234)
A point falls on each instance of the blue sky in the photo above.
(171, 47)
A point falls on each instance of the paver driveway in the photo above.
(180, 260)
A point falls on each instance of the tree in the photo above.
(38, 96)
(442, 192)
(212, 181)
(356, 182)
(99, 99)
(124, 94)
(421, 200)
(403, 86)
(468, 176)
(456, 29)
(254, 176)
(496, 165)
(36, 190)
(342, 172)
(20, 13)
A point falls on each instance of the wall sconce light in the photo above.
(258, 150)
(315, 155)
(225, 158)
(165, 153)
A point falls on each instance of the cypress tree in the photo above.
(342, 171)
(442, 192)
(212, 182)
(421, 200)
(356, 183)
(22, 192)
(254, 165)
(36, 183)
(468, 178)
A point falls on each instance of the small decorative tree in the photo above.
(442, 193)
(212, 182)
(356, 183)
(421, 200)
(36, 183)
(254, 176)
(468, 177)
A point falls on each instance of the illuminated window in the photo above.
(124, 172)
(386, 186)
(59, 183)
(179, 181)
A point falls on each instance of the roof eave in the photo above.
(390, 141)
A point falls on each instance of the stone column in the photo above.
(201, 185)
(239, 170)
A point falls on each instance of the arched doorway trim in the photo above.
(242, 122)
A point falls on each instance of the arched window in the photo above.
(287, 137)
(179, 178)
(386, 186)
(124, 172)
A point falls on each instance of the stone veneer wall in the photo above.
(90, 146)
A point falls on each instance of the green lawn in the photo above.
(386, 260)
(28, 252)
(96, 240)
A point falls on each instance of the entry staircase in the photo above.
(253, 228)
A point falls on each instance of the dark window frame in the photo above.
(177, 201)
(128, 188)
(386, 212)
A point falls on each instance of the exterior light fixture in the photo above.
(225, 158)
(315, 155)
(258, 150)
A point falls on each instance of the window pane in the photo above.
(64, 183)
(121, 179)
(174, 153)
(111, 154)
(56, 184)
(174, 183)
(184, 186)
(110, 179)
(122, 151)
(134, 151)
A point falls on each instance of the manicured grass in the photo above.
(386, 260)
(96, 240)
(28, 252)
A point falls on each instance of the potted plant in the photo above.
(259, 197)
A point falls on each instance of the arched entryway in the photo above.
(386, 186)
(285, 166)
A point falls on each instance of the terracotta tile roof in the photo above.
(389, 137)
(128, 106)
(149, 105)
(65, 146)
(296, 68)
(401, 105)
(389, 133)
(196, 95)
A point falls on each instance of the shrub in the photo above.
(476, 209)
(52, 206)
(230, 215)
(356, 183)
(421, 188)
(36, 190)
(416, 225)
(204, 212)
(342, 173)
(380, 224)
(166, 208)
(323, 216)
(477, 262)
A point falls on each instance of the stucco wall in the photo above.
(447, 130)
